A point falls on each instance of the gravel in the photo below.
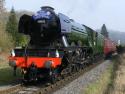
(83, 81)
(5, 87)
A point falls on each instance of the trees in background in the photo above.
(12, 29)
(6, 42)
(104, 31)
(2, 6)
(9, 36)
(11, 26)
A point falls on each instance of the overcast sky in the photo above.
(92, 13)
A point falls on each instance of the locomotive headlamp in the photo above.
(48, 64)
(12, 53)
(12, 63)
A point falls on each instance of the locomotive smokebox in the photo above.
(43, 26)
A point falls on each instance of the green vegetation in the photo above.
(104, 31)
(11, 26)
(7, 75)
(12, 29)
(6, 42)
(9, 36)
(6, 72)
(117, 61)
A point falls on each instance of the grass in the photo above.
(6, 76)
(6, 72)
(99, 86)
(106, 82)
(118, 82)
(116, 62)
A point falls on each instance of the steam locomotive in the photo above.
(58, 45)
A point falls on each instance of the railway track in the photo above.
(47, 89)
(11, 89)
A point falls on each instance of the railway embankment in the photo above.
(117, 85)
(107, 78)
(111, 81)
(79, 85)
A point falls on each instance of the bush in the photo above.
(12, 29)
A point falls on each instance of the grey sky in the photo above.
(92, 13)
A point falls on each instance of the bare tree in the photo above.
(2, 6)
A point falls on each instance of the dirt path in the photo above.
(119, 82)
